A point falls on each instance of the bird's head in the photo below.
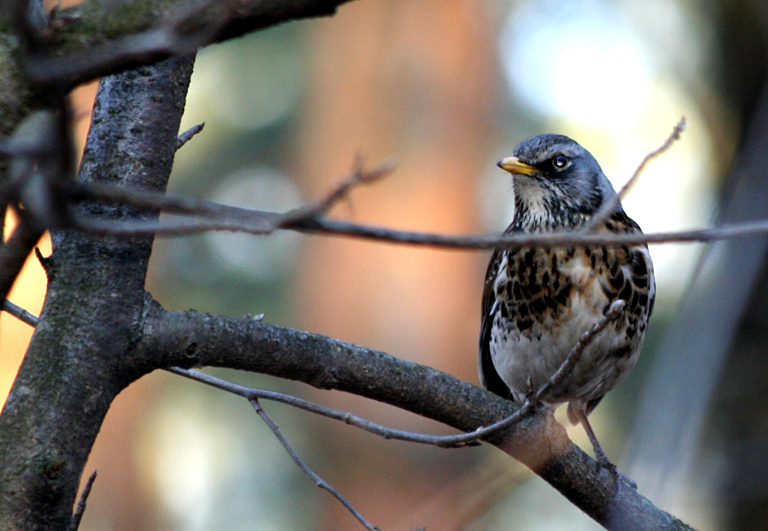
(557, 183)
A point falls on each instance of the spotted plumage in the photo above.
(538, 301)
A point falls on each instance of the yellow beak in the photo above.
(515, 166)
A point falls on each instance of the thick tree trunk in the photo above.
(82, 354)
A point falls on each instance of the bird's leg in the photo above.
(602, 459)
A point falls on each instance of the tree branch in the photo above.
(211, 216)
(344, 416)
(320, 482)
(80, 511)
(103, 37)
(253, 396)
(528, 439)
(187, 135)
(443, 441)
(190, 339)
(20, 313)
(610, 205)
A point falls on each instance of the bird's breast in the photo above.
(545, 300)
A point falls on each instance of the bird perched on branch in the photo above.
(538, 301)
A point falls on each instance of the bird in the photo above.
(538, 301)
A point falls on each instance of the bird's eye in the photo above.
(560, 161)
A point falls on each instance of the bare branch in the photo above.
(320, 482)
(219, 217)
(20, 313)
(488, 432)
(443, 441)
(545, 239)
(159, 201)
(74, 525)
(154, 32)
(574, 356)
(215, 216)
(190, 339)
(606, 210)
(520, 439)
(357, 176)
(187, 135)
(344, 416)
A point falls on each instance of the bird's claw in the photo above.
(604, 462)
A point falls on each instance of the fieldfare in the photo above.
(538, 301)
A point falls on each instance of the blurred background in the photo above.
(445, 88)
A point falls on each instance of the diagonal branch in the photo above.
(606, 210)
(348, 418)
(226, 217)
(320, 482)
(357, 176)
(188, 339)
(77, 517)
(20, 313)
(443, 441)
(81, 47)
(191, 338)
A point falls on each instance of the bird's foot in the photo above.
(604, 462)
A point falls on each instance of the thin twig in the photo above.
(607, 209)
(156, 201)
(187, 135)
(344, 416)
(218, 217)
(74, 524)
(320, 482)
(20, 313)
(215, 216)
(575, 355)
(211, 216)
(356, 176)
(544, 239)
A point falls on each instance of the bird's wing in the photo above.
(489, 377)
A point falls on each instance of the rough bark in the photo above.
(196, 339)
(82, 353)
